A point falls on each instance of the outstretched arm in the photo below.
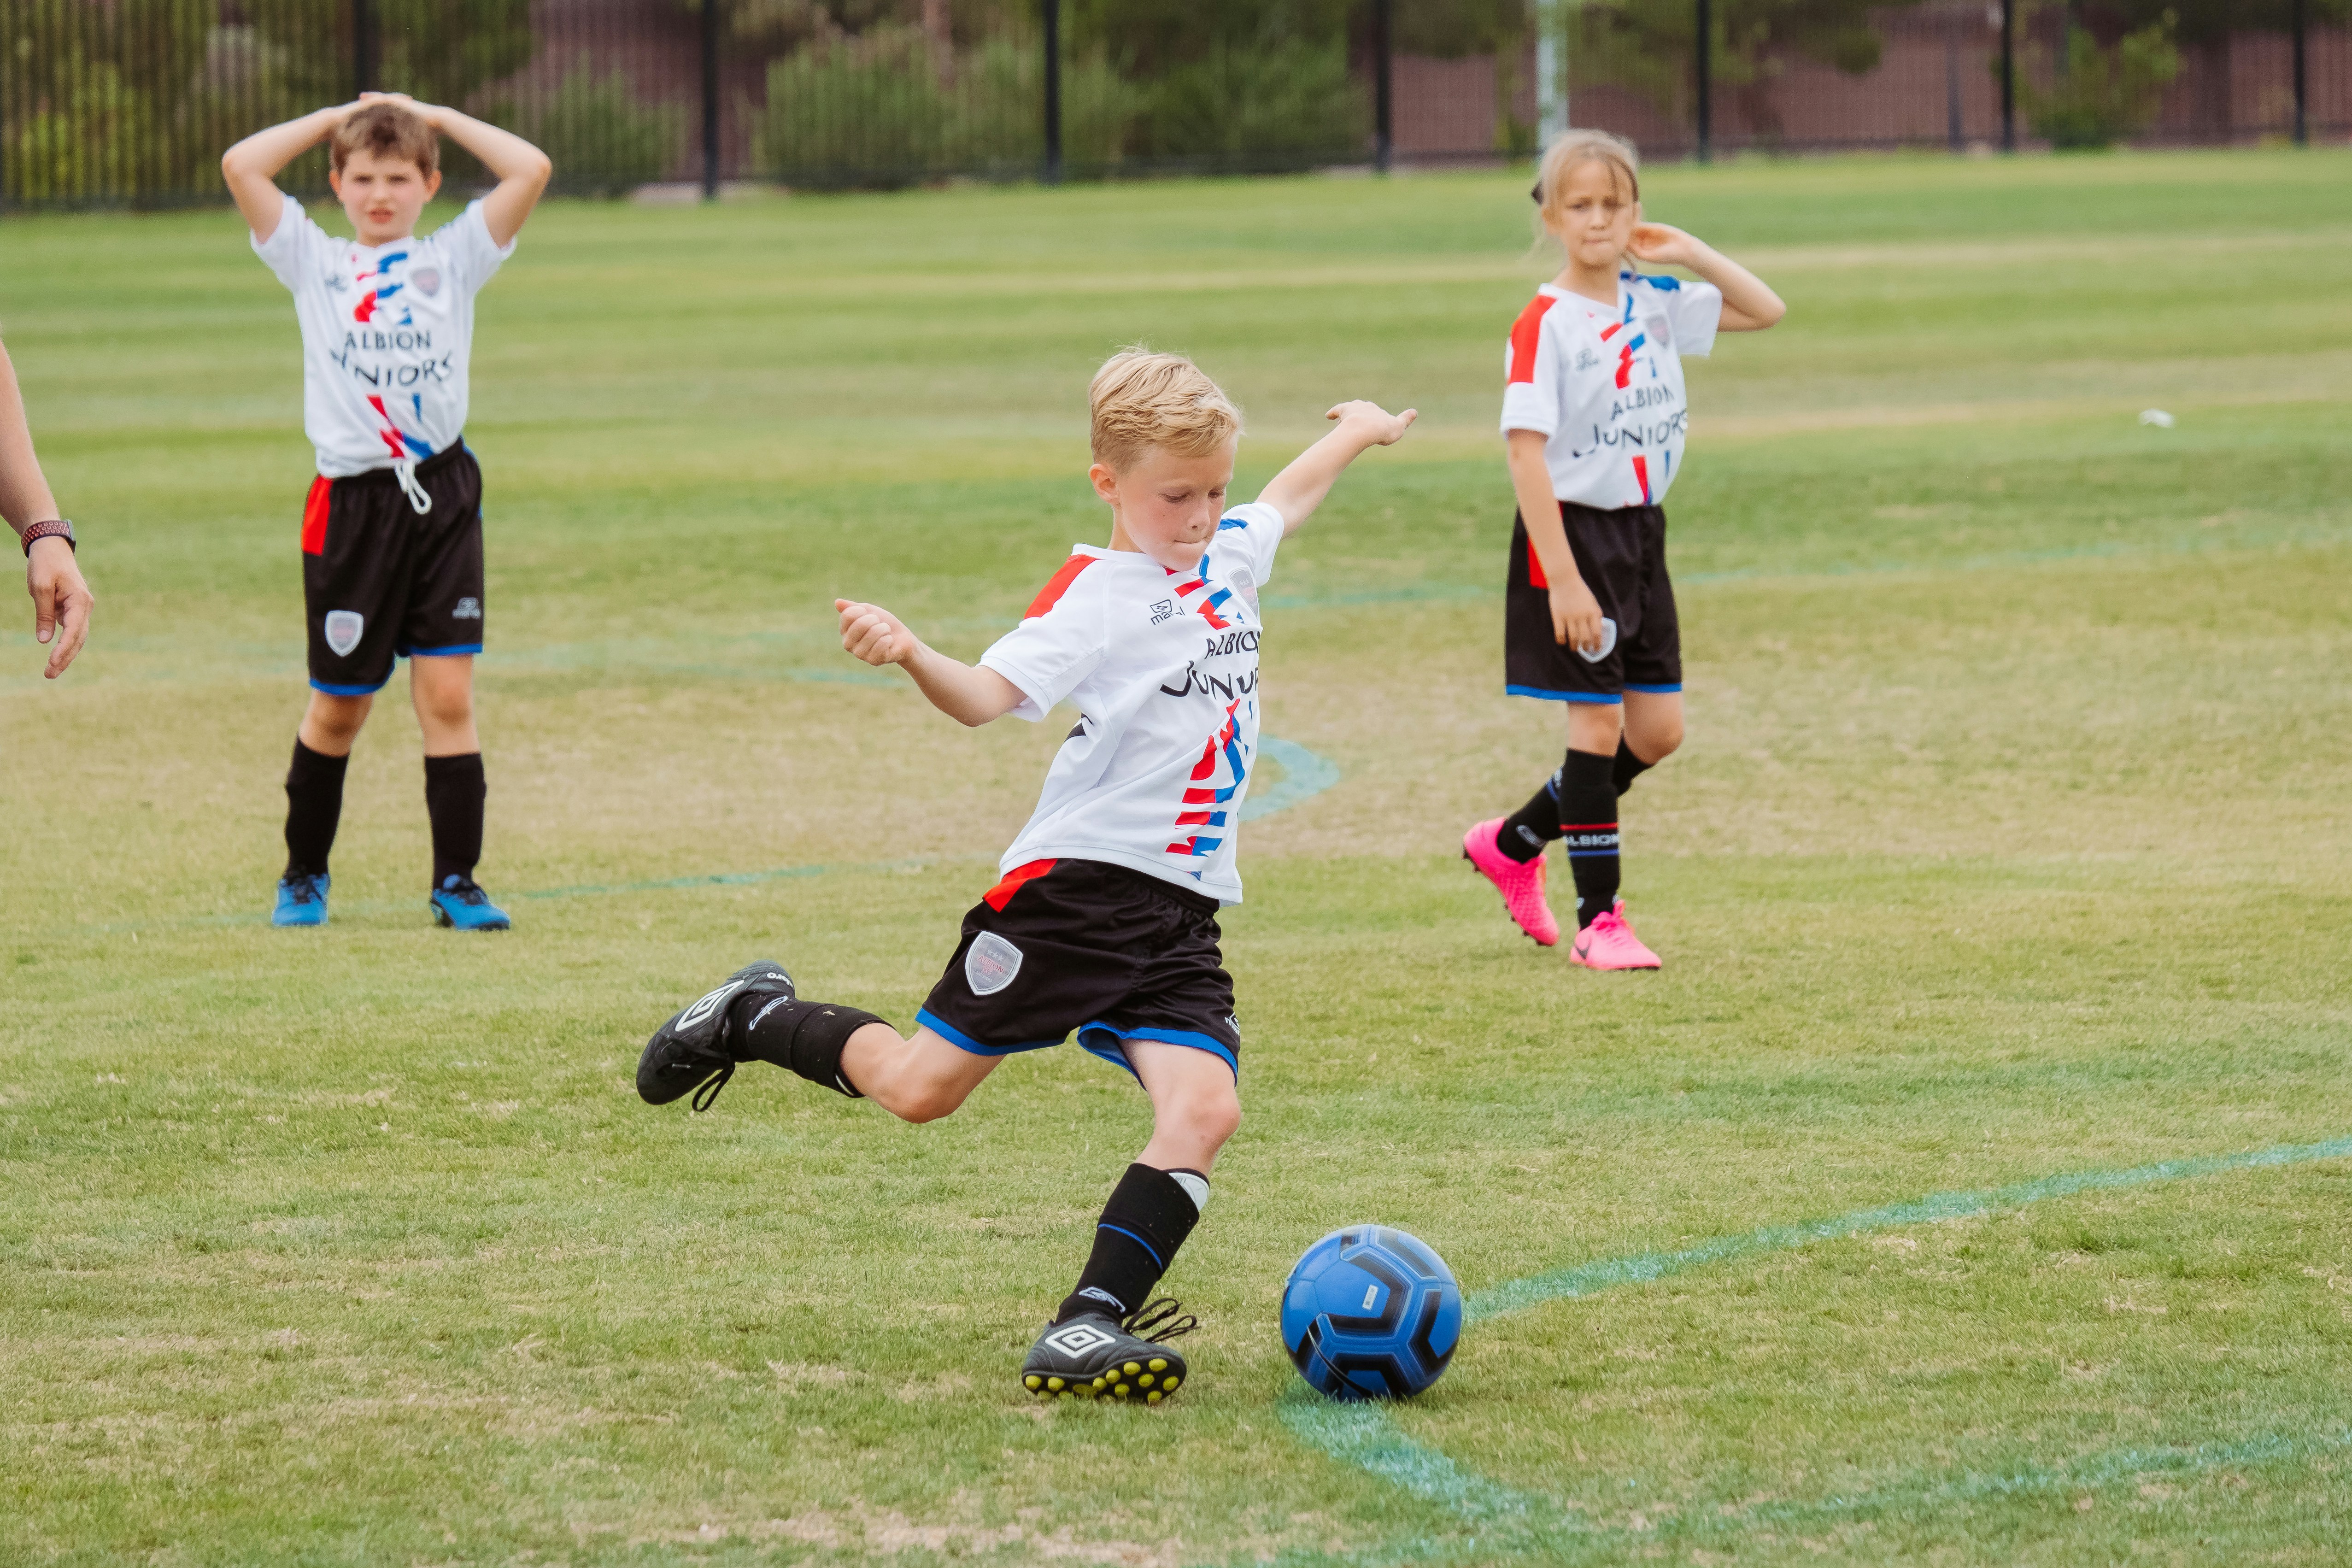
(522, 170)
(251, 166)
(1299, 488)
(1748, 305)
(968, 694)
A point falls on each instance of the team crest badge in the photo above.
(426, 280)
(344, 629)
(991, 964)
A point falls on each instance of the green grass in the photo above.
(2010, 841)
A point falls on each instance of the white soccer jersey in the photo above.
(1604, 384)
(386, 333)
(1162, 666)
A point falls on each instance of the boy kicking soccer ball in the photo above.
(391, 533)
(1105, 921)
(1594, 414)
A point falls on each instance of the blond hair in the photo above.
(386, 130)
(1570, 149)
(1140, 399)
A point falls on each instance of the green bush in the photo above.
(601, 138)
(2100, 96)
(1272, 106)
(92, 148)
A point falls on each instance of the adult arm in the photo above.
(1299, 488)
(521, 170)
(1748, 304)
(61, 600)
(970, 695)
(1575, 613)
(251, 166)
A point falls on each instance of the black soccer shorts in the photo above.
(381, 579)
(1622, 556)
(1068, 945)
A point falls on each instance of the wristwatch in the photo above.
(55, 528)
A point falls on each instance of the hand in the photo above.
(873, 634)
(1377, 424)
(61, 601)
(1575, 615)
(428, 112)
(1665, 245)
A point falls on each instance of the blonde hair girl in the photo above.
(1594, 414)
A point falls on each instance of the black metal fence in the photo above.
(132, 101)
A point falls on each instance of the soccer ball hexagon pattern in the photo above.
(1370, 1313)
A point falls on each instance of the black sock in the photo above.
(314, 804)
(1148, 1217)
(1529, 831)
(1588, 818)
(805, 1038)
(1628, 767)
(454, 793)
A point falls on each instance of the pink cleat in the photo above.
(1610, 944)
(1522, 886)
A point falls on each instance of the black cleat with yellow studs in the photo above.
(1097, 1356)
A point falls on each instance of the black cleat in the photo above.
(692, 1050)
(1097, 1356)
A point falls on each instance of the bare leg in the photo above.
(1594, 727)
(917, 1079)
(1195, 1104)
(1654, 724)
(330, 725)
(442, 688)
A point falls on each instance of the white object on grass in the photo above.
(2157, 417)
(1608, 641)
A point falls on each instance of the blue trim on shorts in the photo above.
(1604, 698)
(1654, 691)
(331, 689)
(1106, 1225)
(1166, 1036)
(452, 651)
(930, 1020)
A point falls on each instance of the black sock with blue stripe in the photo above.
(1150, 1215)
(1529, 831)
(1588, 820)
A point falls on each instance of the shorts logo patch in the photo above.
(1079, 1338)
(467, 610)
(344, 629)
(991, 964)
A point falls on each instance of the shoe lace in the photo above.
(710, 1088)
(302, 889)
(469, 894)
(1162, 1315)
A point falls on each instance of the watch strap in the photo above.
(55, 528)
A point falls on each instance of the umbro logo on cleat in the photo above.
(699, 1013)
(1079, 1338)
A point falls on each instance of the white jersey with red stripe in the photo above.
(1603, 385)
(387, 330)
(1162, 666)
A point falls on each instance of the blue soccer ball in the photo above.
(1371, 1313)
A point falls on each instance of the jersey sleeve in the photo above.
(1532, 370)
(1247, 537)
(466, 242)
(1694, 309)
(291, 246)
(1057, 643)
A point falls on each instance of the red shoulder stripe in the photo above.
(1051, 593)
(1524, 333)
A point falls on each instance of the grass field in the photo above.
(2011, 842)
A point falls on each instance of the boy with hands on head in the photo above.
(1104, 921)
(392, 531)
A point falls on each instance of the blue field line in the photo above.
(1504, 1520)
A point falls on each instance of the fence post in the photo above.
(2009, 76)
(2302, 85)
(1383, 83)
(1703, 67)
(363, 52)
(1551, 70)
(709, 100)
(1052, 174)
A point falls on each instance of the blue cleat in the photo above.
(461, 905)
(301, 901)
